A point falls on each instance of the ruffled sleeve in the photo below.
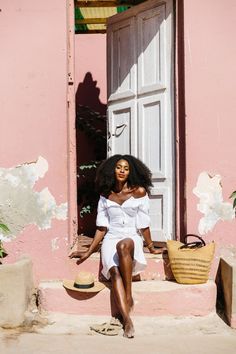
(143, 218)
(102, 216)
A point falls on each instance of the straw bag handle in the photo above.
(194, 244)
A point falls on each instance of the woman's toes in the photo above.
(129, 330)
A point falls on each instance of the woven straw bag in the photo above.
(190, 262)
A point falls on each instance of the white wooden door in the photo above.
(140, 100)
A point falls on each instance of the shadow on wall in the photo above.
(91, 150)
(88, 95)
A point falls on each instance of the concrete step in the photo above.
(151, 298)
(158, 267)
(156, 294)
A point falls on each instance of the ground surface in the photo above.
(69, 334)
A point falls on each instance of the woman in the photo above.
(123, 182)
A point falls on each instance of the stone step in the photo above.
(151, 298)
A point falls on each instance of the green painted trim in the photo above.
(84, 28)
(79, 16)
(122, 8)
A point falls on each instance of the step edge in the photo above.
(154, 285)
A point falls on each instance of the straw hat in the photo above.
(84, 282)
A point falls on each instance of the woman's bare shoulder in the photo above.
(139, 192)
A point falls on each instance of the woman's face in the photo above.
(122, 170)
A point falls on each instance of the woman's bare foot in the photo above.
(128, 329)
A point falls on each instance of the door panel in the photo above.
(151, 49)
(121, 54)
(160, 202)
(122, 128)
(140, 100)
(151, 118)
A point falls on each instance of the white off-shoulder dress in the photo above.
(123, 221)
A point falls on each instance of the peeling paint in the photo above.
(66, 239)
(211, 204)
(54, 243)
(21, 205)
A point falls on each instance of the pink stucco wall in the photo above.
(90, 57)
(34, 116)
(33, 105)
(91, 91)
(210, 86)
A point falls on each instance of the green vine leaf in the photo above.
(3, 252)
(85, 210)
(233, 196)
(234, 203)
(4, 228)
(6, 231)
(89, 166)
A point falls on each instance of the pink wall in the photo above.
(91, 91)
(90, 56)
(210, 86)
(33, 107)
(33, 104)
(34, 115)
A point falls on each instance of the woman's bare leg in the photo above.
(125, 250)
(115, 312)
(119, 293)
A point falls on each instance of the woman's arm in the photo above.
(99, 235)
(147, 237)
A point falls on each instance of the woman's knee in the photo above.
(125, 247)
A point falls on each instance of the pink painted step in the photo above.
(158, 267)
(151, 297)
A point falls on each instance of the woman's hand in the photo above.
(149, 243)
(83, 258)
(154, 250)
(81, 255)
(75, 254)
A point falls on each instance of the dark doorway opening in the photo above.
(91, 150)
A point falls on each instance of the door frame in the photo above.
(180, 125)
(179, 107)
(71, 132)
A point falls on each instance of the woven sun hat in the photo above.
(84, 282)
